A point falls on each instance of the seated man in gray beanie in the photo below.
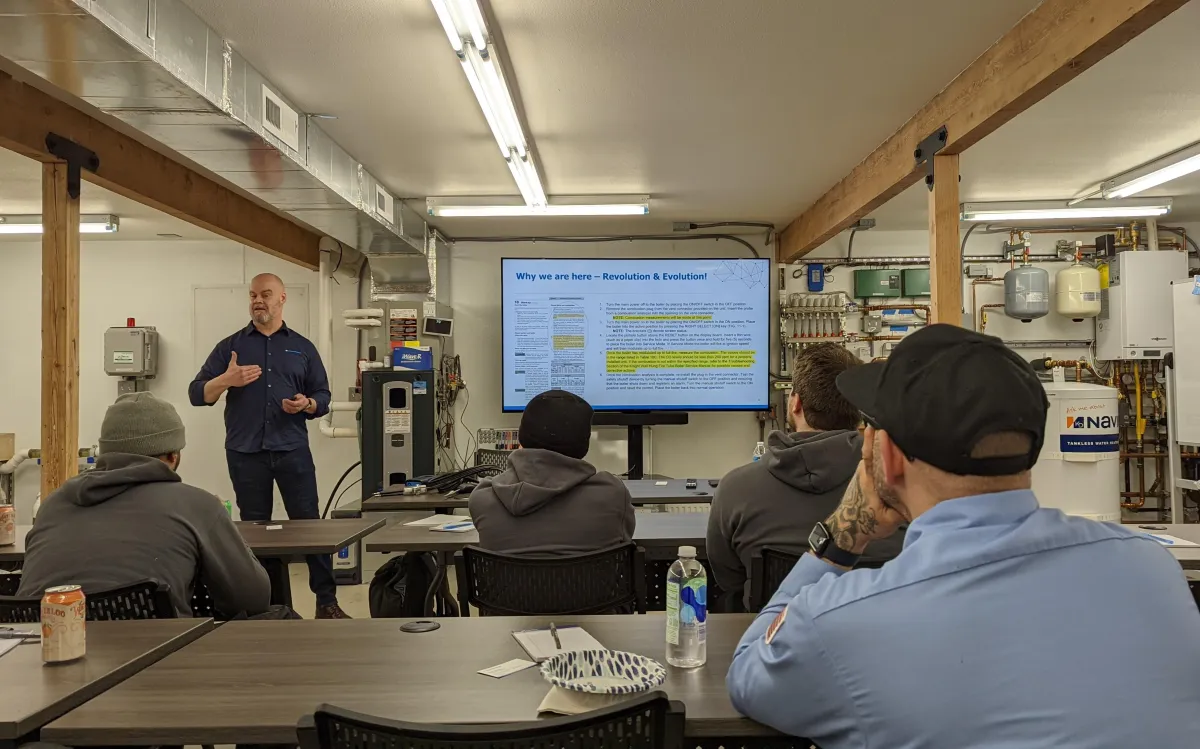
(132, 519)
(550, 501)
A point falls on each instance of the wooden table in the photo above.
(16, 552)
(1187, 556)
(32, 694)
(643, 491)
(250, 682)
(297, 539)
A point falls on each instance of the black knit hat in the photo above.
(558, 421)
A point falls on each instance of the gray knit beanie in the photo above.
(140, 424)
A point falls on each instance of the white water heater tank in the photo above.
(1078, 469)
(1077, 292)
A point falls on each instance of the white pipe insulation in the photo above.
(325, 423)
(10, 466)
(362, 312)
(363, 322)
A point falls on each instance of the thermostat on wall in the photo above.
(439, 326)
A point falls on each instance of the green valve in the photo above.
(914, 282)
(870, 283)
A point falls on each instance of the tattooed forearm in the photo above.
(853, 522)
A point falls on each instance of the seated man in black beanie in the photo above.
(550, 501)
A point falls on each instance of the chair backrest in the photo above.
(10, 582)
(201, 603)
(600, 582)
(768, 568)
(143, 600)
(647, 722)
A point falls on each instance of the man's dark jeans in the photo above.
(253, 474)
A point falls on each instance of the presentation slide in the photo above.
(632, 335)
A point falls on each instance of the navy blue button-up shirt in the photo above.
(254, 415)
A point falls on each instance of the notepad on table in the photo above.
(454, 527)
(539, 643)
(1166, 540)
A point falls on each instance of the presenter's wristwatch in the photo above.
(820, 541)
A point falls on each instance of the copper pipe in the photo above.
(975, 283)
(1138, 505)
(982, 321)
(871, 307)
(1143, 455)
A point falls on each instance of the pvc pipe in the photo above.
(325, 424)
(324, 317)
(17, 459)
(344, 406)
(363, 322)
(362, 312)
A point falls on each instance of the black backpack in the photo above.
(400, 586)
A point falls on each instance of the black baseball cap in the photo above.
(942, 390)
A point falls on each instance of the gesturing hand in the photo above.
(296, 403)
(862, 517)
(237, 376)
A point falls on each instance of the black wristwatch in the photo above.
(822, 545)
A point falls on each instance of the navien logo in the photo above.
(1091, 422)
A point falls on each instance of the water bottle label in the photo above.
(673, 613)
(693, 603)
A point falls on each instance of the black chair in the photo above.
(144, 600)
(601, 582)
(768, 568)
(201, 603)
(650, 721)
(10, 582)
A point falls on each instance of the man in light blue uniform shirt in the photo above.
(1000, 624)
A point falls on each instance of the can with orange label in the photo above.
(64, 614)
(8, 525)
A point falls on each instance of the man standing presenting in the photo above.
(276, 383)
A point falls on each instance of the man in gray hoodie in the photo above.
(131, 519)
(776, 501)
(550, 501)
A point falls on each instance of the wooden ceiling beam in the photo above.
(1050, 46)
(137, 171)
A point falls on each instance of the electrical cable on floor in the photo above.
(329, 502)
(616, 238)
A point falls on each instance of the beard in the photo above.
(887, 494)
(262, 316)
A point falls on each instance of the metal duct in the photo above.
(155, 65)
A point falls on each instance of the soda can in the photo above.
(64, 615)
(8, 525)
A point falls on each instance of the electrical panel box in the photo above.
(1186, 313)
(872, 324)
(870, 283)
(131, 351)
(405, 324)
(1136, 309)
(914, 282)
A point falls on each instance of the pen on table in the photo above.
(19, 635)
(554, 634)
(1160, 539)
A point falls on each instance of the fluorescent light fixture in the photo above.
(638, 205)
(1172, 166)
(463, 22)
(32, 224)
(1049, 210)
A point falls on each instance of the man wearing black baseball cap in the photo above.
(1000, 623)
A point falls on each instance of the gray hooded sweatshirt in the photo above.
(546, 504)
(132, 519)
(777, 501)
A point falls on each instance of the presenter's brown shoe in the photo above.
(333, 611)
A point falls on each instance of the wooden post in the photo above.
(60, 328)
(945, 254)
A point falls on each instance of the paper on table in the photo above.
(567, 702)
(455, 526)
(662, 483)
(508, 667)
(274, 527)
(1166, 540)
(431, 520)
(539, 644)
(8, 644)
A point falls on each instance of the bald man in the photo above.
(276, 383)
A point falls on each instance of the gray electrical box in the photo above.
(131, 352)
(872, 324)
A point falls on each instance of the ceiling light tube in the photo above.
(531, 190)
(473, 17)
(1170, 167)
(1054, 210)
(486, 106)
(32, 224)
(496, 211)
(533, 180)
(502, 105)
(443, 13)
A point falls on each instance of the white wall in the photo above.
(153, 282)
(709, 445)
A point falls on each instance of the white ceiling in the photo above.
(718, 109)
(21, 193)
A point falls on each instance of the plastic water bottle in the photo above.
(687, 611)
(759, 451)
